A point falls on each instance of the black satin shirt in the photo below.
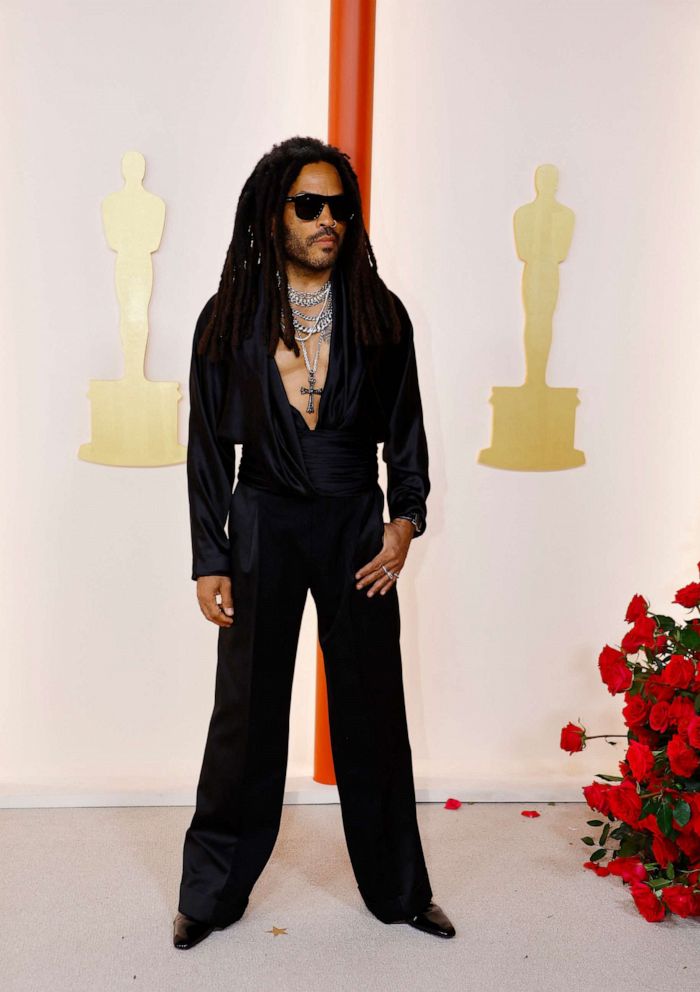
(370, 396)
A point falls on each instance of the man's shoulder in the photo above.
(395, 297)
(404, 318)
(209, 306)
(203, 318)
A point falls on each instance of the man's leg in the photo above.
(359, 636)
(241, 784)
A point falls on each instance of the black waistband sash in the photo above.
(337, 462)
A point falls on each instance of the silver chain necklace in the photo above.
(321, 324)
(308, 299)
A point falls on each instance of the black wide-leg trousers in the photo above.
(281, 547)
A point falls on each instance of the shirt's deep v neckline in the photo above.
(320, 398)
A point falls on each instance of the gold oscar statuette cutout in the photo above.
(134, 419)
(534, 424)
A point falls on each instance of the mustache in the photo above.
(328, 234)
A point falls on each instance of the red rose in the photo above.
(664, 850)
(689, 595)
(693, 731)
(572, 738)
(641, 635)
(597, 796)
(648, 904)
(625, 802)
(628, 869)
(679, 899)
(649, 823)
(689, 845)
(681, 712)
(693, 799)
(640, 759)
(637, 608)
(613, 670)
(656, 688)
(660, 642)
(683, 759)
(655, 783)
(693, 876)
(678, 671)
(636, 711)
(659, 716)
(646, 736)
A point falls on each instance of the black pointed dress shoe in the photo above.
(188, 932)
(432, 920)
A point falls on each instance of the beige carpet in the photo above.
(88, 897)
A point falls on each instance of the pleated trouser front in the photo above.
(281, 547)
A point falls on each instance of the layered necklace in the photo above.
(305, 327)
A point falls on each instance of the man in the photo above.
(307, 359)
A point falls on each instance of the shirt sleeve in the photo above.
(210, 462)
(405, 448)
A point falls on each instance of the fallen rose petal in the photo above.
(598, 869)
(452, 804)
(629, 869)
(529, 812)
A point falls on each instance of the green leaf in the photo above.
(666, 623)
(595, 823)
(604, 835)
(628, 847)
(597, 855)
(670, 871)
(690, 638)
(658, 883)
(681, 812)
(609, 778)
(649, 805)
(663, 818)
(589, 841)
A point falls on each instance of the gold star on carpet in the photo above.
(276, 931)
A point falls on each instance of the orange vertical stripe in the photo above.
(350, 105)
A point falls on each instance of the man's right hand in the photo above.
(208, 586)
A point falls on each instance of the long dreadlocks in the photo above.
(254, 248)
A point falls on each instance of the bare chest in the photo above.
(295, 376)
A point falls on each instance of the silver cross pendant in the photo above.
(311, 390)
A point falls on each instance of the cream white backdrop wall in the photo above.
(108, 668)
(108, 665)
(524, 577)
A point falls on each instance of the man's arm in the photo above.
(210, 462)
(405, 448)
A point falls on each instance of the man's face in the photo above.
(302, 238)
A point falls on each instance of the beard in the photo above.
(309, 255)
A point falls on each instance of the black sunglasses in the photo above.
(308, 206)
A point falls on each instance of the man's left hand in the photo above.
(397, 540)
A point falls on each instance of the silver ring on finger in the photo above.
(392, 575)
